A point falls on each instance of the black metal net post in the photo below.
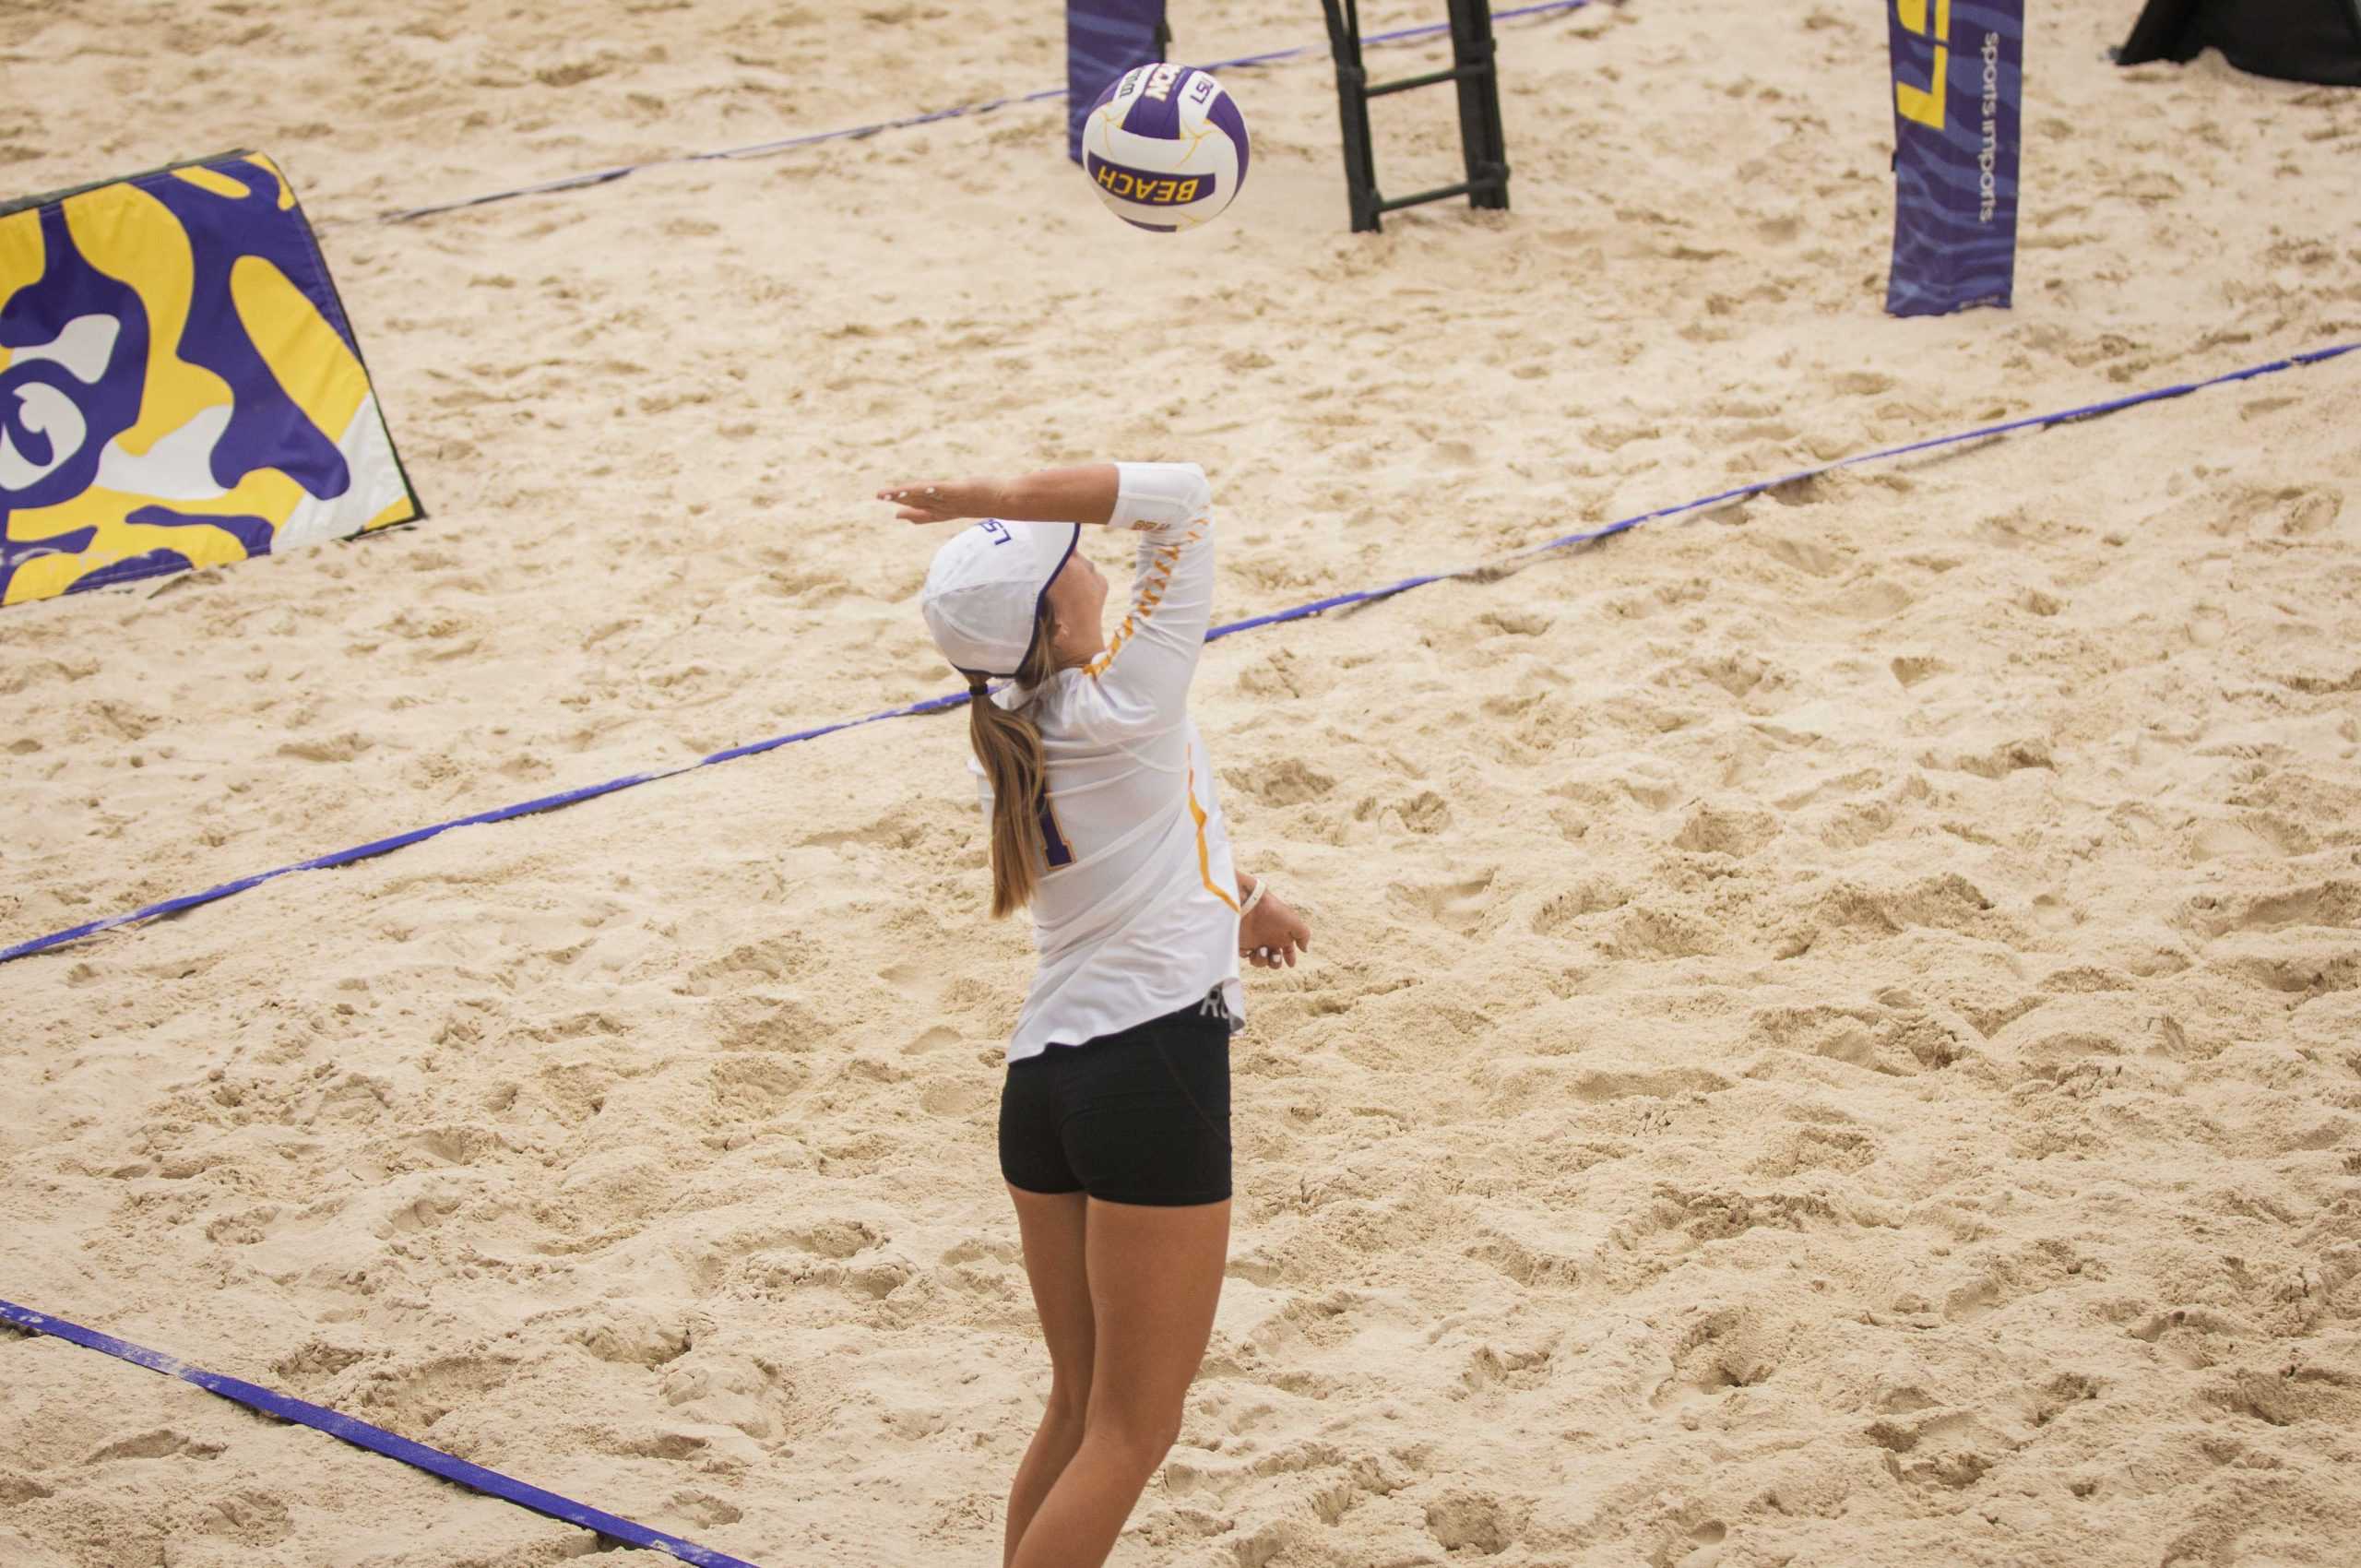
(1473, 71)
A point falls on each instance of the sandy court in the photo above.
(1834, 1031)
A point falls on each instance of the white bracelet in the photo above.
(1255, 897)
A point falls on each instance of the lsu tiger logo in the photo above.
(179, 386)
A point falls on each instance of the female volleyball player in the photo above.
(1114, 1120)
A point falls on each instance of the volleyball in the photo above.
(1165, 148)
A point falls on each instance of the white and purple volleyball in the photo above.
(1165, 148)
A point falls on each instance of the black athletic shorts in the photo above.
(1140, 1116)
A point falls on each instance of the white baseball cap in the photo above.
(983, 592)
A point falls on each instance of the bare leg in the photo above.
(1154, 1280)
(1051, 1227)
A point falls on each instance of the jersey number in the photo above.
(1061, 853)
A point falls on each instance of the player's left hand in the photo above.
(1270, 938)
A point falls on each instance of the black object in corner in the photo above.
(2304, 41)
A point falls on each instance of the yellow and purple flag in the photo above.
(179, 386)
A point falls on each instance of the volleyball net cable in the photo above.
(911, 122)
(375, 1439)
(1483, 571)
(933, 116)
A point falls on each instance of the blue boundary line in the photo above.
(1253, 623)
(854, 132)
(375, 1439)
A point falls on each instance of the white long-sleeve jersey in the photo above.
(1137, 913)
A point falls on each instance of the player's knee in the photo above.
(1145, 1436)
(1069, 1401)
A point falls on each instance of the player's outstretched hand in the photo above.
(943, 500)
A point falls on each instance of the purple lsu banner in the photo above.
(1958, 87)
(1105, 39)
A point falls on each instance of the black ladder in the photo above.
(1480, 112)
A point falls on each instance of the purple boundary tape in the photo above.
(375, 1439)
(1253, 623)
(854, 132)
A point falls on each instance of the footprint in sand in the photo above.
(1481, 1521)
(1590, 898)
(1726, 1349)
(934, 1039)
(1805, 555)
(954, 1098)
(1911, 669)
(1288, 782)
(1457, 906)
(1705, 1547)
(755, 1086)
(160, 1442)
(1735, 830)
(1952, 1450)
(1871, 598)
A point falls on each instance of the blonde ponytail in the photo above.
(1010, 748)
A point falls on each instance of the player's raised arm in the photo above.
(1144, 676)
(1083, 494)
